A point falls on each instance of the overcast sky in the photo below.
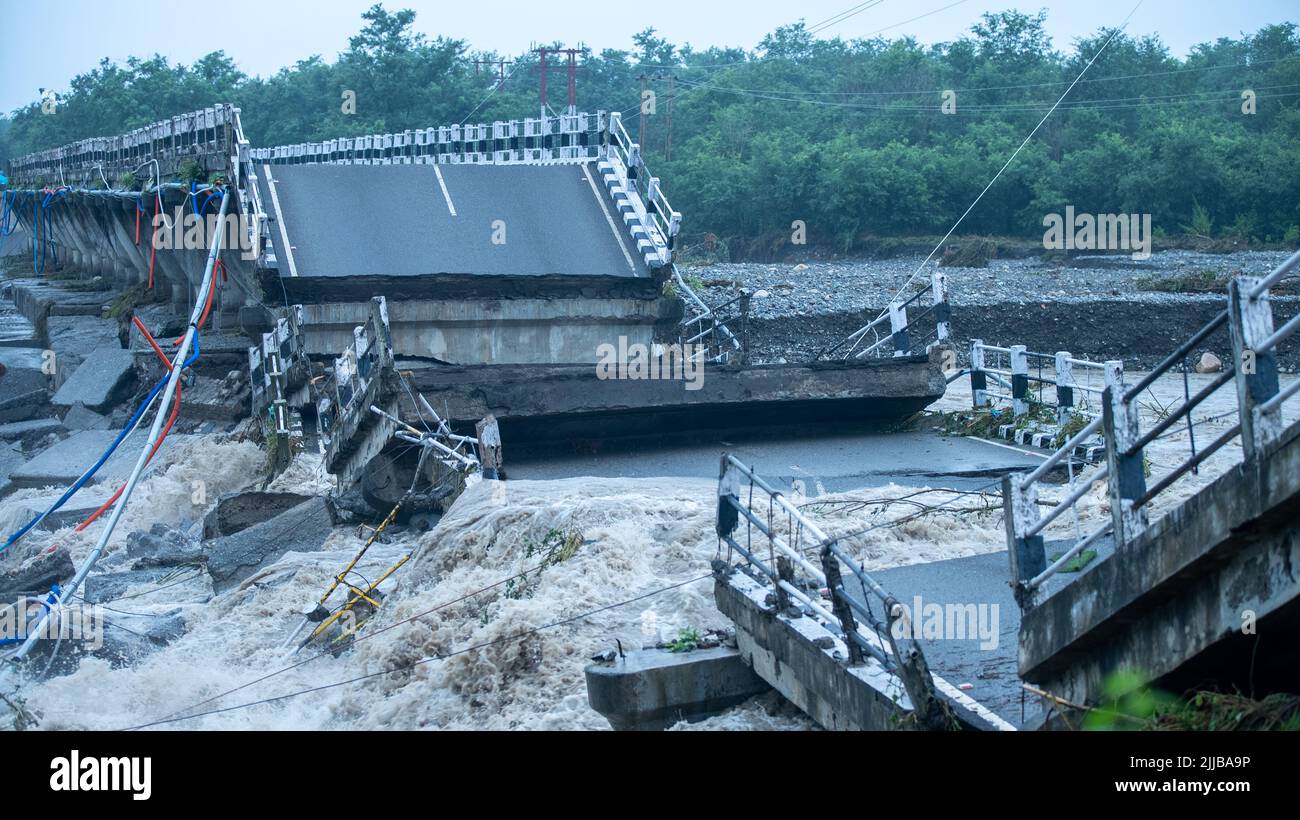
(47, 42)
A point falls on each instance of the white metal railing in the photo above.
(566, 138)
(909, 328)
(776, 542)
(705, 329)
(1248, 318)
(206, 132)
(643, 192)
(1017, 377)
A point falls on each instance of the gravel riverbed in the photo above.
(1093, 306)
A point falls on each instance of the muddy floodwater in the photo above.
(475, 650)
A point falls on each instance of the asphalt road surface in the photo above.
(411, 220)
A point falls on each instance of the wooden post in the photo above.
(839, 606)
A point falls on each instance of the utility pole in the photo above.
(572, 54)
(542, 52)
(544, 68)
(501, 68)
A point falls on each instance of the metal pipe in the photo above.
(1039, 579)
(1175, 357)
(1279, 334)
(1282, 395)
(1168, 421)
(1274, 277)
(168, 394)
(1188, 465)
(1069, 501)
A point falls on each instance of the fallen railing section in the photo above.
(1253, 370)
(911, 324)
(706, 329)
(788, 564)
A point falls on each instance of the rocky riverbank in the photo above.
(1099, 307)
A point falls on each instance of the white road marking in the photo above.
(279, 220)
(443, 184)
(600, 200)
(1012, 449)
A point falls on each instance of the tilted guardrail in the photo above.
(1248, 317)
(785, 537)
(212, 136)
(705, 329)
(909, 325)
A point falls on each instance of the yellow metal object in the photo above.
(357, 594)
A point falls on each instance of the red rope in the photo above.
(176, 407)
(148, 337)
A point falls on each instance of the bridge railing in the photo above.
(1016, 370)
(777, 542)
(654, 223)
(707, 329)
(911, 324)
(1248, 318)
(210, 136)
(564, 138)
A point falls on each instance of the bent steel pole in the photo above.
(168, 394)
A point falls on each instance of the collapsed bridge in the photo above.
(510, 257)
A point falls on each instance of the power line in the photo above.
(407, 666)
(1023, 106)
(978, 89)
(858, 334)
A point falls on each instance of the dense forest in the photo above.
(857, 138)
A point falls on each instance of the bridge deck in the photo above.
(1173, 602)
(412, 220)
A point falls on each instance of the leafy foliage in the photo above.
(847, 136)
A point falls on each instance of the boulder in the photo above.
(1209, 363)
(233, 558)
(101, 381)
(236, 512)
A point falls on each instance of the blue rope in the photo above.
(81, 482)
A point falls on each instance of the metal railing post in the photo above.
(979, 380)
(1027, 553)
(1064, 387)
(728, 498)
(1019, 380)
(1121, 425)
(942, 310)
(839, 606)
(1250, 321)
(898, 328)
